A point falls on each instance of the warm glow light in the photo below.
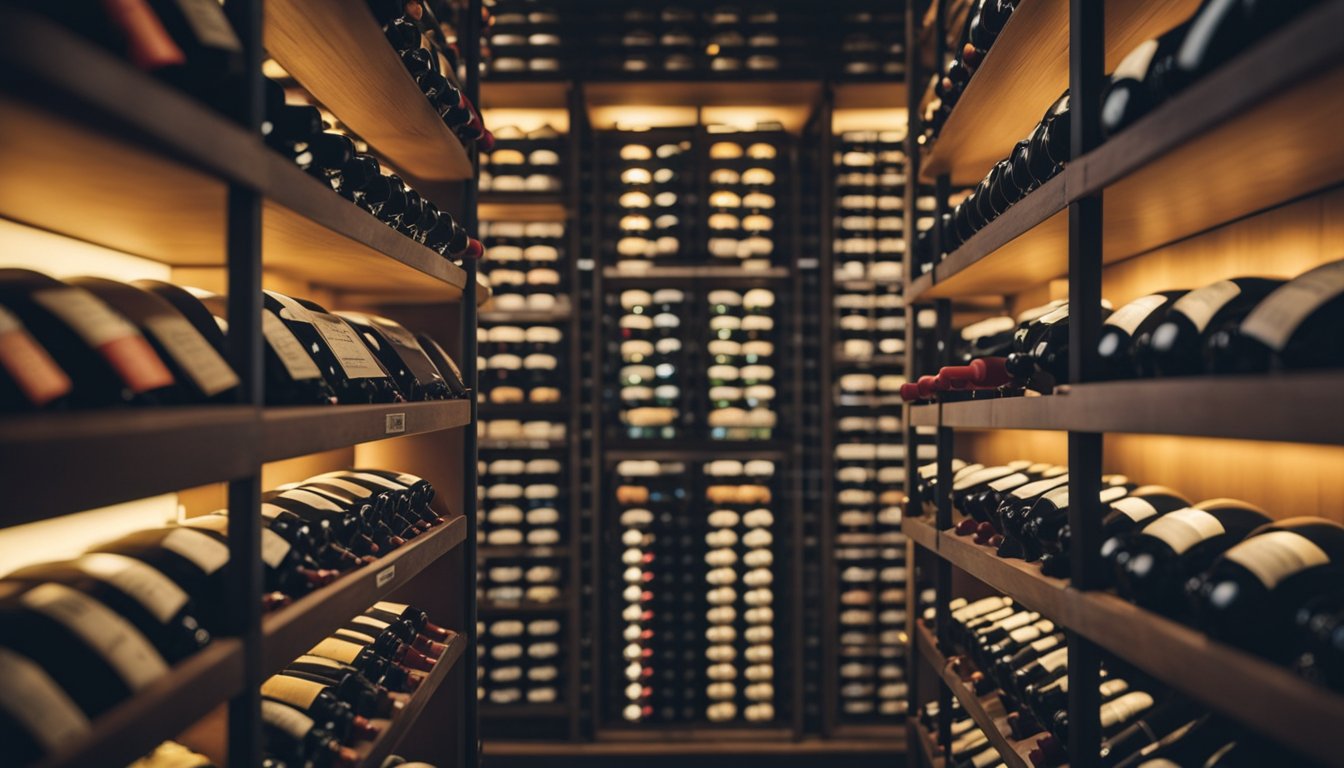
(712, 49)
(68, 536)
(527, 119)
(272, 69)
(59, 256)
(869, 120)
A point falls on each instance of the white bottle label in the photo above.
(320, 503)
(294, 691)
(1128, 317)
(1058, 496)
(354, 489)
(1199, 306)
(193, 353)
(1114, 493)
(351, 353)
(340, 650)
(286, 718)
(1039, 487)
(1184, 528)
(273, 546)
(1045, 643)
(1054, 659)
(29, 364)
(1125, 708)
(44, 709)
(113, 638)
(369, 621)
(1275, 555)
(1011, 481)
(360, 637)
(1135, 64)
(1114, 687)
(377, 480)
(87, 314)
(397, 608)
(288, 348)
(1134, 508)
(318, 661)
(1025, 634)
(1274, 319)
(208, 554)
(156, 592)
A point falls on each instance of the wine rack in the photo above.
(217, 206)
(1109, 225)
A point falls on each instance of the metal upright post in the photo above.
(243, 259)
(470, 43)
(1086, 81)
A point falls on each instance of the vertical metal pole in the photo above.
(942, 522)
(830, 673)
(1086, 80)
(574, 450)
(243, 259)
(470, 44)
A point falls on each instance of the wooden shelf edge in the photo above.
(920, 532)
(187, 693)
(1264, 407)
(1013, 752)
(292, 630)
(122, 454)
(928, 745)
(698, 272)
(1260, 695)
(783, 746)
(301, 430)
(372, 754)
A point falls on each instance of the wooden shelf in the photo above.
(782, 747)
(522, 606)
(301, 430)
(371, 92)
(1265, 115)
(1268, 407)
(525, 411)
(121, 454)
(373, 753)
(1254, 692)
(1013, 752)
(292, 630)
(705, 272)
(1025, 70)
(187, 693)
(561, 314)
(551, 94)
(677, 102)
(928, 746)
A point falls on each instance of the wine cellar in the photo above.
(671, 382)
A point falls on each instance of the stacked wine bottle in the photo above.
(741, 371)
(744, 183)
(524, 263)
(520, 500)
(652, 363)
(870, 193)
(524, 161)
(520, 661)
(870, 42)
(517, 433)
(646, 186)
(698, 38)
(521, 364)
(525, 39)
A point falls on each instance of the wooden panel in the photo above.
(370, 92)
(300, 468)
(83, 184)
(294, 431)
(708, 272)
(373, 753)
(548, 95)
(1026, 70)
(508, 207)
(295, 628)
(121, 454)
(1001, 447)
(194, 687)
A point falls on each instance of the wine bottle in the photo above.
(1179, 345)
(294, 738)
(387, 645)
(1127, 330)
(1140, 82)
(404, 631)
(213, 52)
(1249, 595)
(318, 701)
(196, 561)
(369, 663)
(1045, 534)
(419, 619)
(200, 372)
(984, 505)
(345, 527)
(422, 492)
(1155, 562)
(413, 504)
(37, 716)
(1296, 326)
(1190, 744)
(345, 362)
(292, 377)
(1152, 726)
(1044, 669)
(29, 378)
(286, 571)
(105, 357)
(157, 607)
(399, 352)
(1131, 514)
(349, 684)
(1013, 510)
(97, 657)
(373, 510)
(1219, 30)
(446, 366)
(1040, 352)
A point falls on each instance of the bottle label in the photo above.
(397, 608)
(120, 344)
(293, 691)
(376, 480)
(288, 348)
(1031, 490)
(1054, 660)
(1114, 493)
(318, 661)
(1045, 644)
(271, 511)
(38, 703)
(1184, 528)
(1135, 64)
(1128, 317)
(1055, 316)
(1125, 708)
(337, 649)
(360, 637)
(1114, 687)
(1134, 508)
(1011, 481)
(313, 500)
(1275, 555)
(273, 546)
(159, 594)
(351, 353)
(32, 369)
(411, 352)
(1199, 306)
(1058, 496)
(286, 719)
(1277, 317)
(193, 353)
(1025, 634)
(110, 636)
(984, 475)
(209, 23)
(369, 621)
(358, 491)
(208, 554)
